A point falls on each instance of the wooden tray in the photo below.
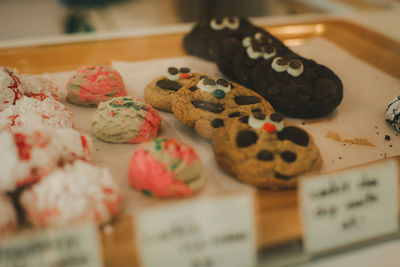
(277, 212)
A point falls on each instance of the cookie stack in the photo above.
(294, 85)
(250, 140)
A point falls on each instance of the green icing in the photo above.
(174, 166)
(147, 193)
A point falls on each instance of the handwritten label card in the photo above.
(347, 207)
(76, 246)
(216, 231)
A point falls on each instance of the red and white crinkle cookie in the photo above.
(8, 216)
(28, 154)
(10, 88)
(31, 111)
(38, 87)
(78, 192)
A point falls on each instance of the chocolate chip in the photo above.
(246, 138)
(276, 117)
(184, 70)
(265, 155)
(255, 110)
(208, 81)
(223, 82)
(282, 176)
(207, 106)
(281, 62)
(294, 134)
(259, 116)
(288, 156)
(247, 100)
(216, 123)
(273, 89)
(234, 114)
(172, 70)
(295, 64)
(244, 119)
(193, 88)
(168, 85)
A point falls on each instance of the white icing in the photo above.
(276, 67)
(173, 77)
(31, 111)
(278, 125)
(295, 72)
(8, 218)
(223, 88)
(232, 25)
(258, 35)
(215, 26)
(256, 123)
(253, 54)
(269, 55)
(246, 41)
(205, 87)
(77, 191)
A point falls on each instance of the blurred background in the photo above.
(29, 18)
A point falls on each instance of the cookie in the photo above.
(10, 88)
(166, 168)
(265, 151)
(297, 87)
(30, 153)
(31, 111)
(125, 119)
(205, 38)
(93, 84)
(38, 87)
(79, 192)
(161, 91)
(8, 218)
(393, 113)
(207, 105)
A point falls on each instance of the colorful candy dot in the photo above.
(147, 193)
(269, 127)
(219, 93)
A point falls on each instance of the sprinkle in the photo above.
(126, 99)
(112, 114)
(219, 93)
(185, 76)
(147, 193)
(174, 166)
(269, 127)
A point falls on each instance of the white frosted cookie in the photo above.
(8, 216)
(29, 153)
(78, 192)
(31, 111)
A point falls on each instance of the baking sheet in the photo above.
(352, 135)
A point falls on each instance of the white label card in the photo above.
(76, 246)
(339, 209)
(215, 231)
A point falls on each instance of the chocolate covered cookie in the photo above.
(204, 40)
(296, 86)
(161, 91)
(210, 103)
(265, 151)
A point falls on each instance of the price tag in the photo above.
(76, 246)
(217, 231)
(347, 207)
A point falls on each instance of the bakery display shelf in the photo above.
(277, 211)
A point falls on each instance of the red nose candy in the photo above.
(269, 127)
(185, 75)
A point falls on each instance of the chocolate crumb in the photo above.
(387, 137)
(390, 145)
(340, 158)
(377, 132)
(303, 123)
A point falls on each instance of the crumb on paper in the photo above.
(387, 137)
(339, 157)
(108, 229)
(356, 141)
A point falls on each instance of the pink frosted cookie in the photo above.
(94, 84)
(38, 87)
(29, 153)
(78, 192)
(125, 120)
(8, 216)
(31, 111)
(10, 88)
(166, 168)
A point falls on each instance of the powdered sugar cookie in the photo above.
(78, 192)
(31, 111)
(29, 153)
(8, 218)
(166, 168)
(10, 88)
(125, 120)
(38, 87)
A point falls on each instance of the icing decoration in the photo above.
(223, 85)
(256, 123)
(253, 54)
(217, 24)
(246, 41)
(295, 68)
(269, 51)
(269, 127)
(206, 85)
(231, 23)
(219, 93)
(279, 64)
(174, 74)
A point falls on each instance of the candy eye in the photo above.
(257, 120)
(231, 22)
(246, 41)
(173, 74)
(185, 73)
(206, 85)
(269, 51)
(295, 68)
(279, 64)
(217, 24)
(277, 120)
(254, 51)
(224, 85)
